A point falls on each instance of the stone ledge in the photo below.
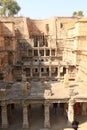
(45, 129)
(68, 129)
(22, 128)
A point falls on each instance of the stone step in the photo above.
(45, 129)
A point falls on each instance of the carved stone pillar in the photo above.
(71, 110)
(4, 116)
(50, 52)
(24, 88)
(66, 80)
(40, 73)
(58, 72)
(84, 109)
(67, 70)
(46, 115)
(31, 73)
(38, 52)
(50, 71)
(45, 52)
(38, 44)
(25, 117)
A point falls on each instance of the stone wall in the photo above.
(75, 51)
(57, 31)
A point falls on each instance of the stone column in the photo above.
(71, 110)
(44, 52)
(84, 109)
(40, 73)
(24, 89)
(25, 117)
(50, 51)
(66, 80)
(46, 115)
(31, 72)
(4, 116)
(58, 71)
(38, 44)
(66, 69)
(50, 71)
(38, 52)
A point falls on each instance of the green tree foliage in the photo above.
(78, 14)
(9, 7)
(74, 13)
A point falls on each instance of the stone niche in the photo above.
(3, 93)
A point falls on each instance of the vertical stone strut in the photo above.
(84, 109)
(58, 71)
(31, 73)
(66, 80)
(25, 117)
(71, 110)
(66, 69)
(44, 52)
(4, 116)
(40, 72)
(46, 115)
(50, 71)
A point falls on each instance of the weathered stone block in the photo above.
(66, 80)
(3, 93)
(47, 93)
(24, 89)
